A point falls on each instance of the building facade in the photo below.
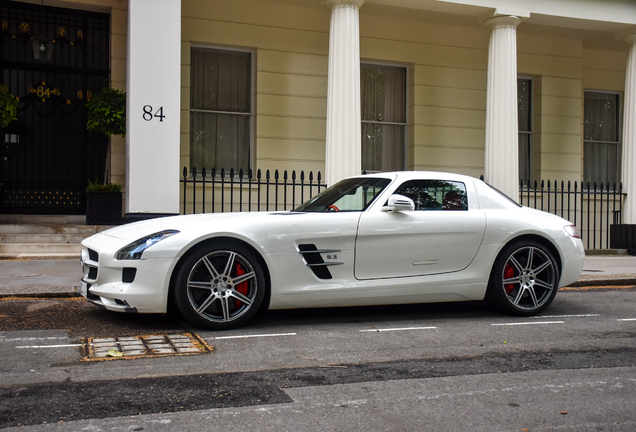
(523, 89)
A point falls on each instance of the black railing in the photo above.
(591, 207)
(227, 191)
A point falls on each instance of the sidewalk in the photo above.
(61, 278)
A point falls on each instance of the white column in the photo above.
(629, 135)
(153, 108)
(343, 148)
(502, 129)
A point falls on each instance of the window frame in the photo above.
(529, 133)
(252, 114)
(404, 125)
(619, 143)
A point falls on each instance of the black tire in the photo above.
(219, 286)
(523, 280)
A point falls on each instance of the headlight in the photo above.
(572, 231)
(135, 250)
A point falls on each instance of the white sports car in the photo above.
(391, 238)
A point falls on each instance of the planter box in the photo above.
(103, 208)
(623, 237)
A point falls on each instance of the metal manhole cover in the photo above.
(130, 347)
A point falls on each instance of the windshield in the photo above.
(355, 194)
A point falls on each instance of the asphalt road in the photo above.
(441, 367)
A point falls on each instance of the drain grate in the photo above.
(144, 346)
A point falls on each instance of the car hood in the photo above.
(195, 223)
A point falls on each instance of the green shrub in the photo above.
(103, 188)
(107, 112)
(8, 107)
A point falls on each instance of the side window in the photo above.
(435, 194)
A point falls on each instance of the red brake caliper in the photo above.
(242, 287)
(509, 272)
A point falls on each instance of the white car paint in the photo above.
(377, 256)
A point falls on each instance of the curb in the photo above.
(604, 282)
(41, 295)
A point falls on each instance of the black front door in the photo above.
(53, 60)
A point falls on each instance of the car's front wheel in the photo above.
(219, 286)
(524, 279)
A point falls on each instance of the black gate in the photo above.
(53, 60)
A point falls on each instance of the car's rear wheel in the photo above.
(524, 279)
(219, 287)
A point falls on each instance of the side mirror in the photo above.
(399, 203)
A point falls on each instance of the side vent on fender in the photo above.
(313, 259)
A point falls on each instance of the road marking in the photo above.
(567, 316)
(51, 346)
(398, 329)
(529, 323)
(254, 336)
(627, 319)
(34, 338)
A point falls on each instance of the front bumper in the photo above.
(124, 286)
(573, 257)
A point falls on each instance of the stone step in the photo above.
(42, 238)
(39, 256)
(85, 230)
(19, 219)
(30, 248)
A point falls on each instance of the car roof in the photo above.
(426, 175)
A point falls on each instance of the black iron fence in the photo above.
(592, 208)
(229, 191)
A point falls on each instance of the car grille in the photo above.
(90, 265)
(92, 273)
(93, 255)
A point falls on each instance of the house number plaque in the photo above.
(149, 114)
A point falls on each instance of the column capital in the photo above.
(505, 21)
(343, 3)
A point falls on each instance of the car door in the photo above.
(442, 235)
